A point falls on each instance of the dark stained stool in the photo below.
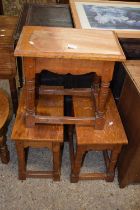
(41, 136)
(4, 114)
(7, 60)
(111, 138)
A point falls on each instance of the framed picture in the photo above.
(122, 17)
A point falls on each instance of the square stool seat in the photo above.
(40, 136)
(111, 138)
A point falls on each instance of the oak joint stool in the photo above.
(111, 138)
(83, 51)
(39, 136)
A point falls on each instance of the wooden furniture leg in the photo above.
(21, 160)
(77, 164)
(14, 94)
(29, 67)
(112, 164)
(56, 162)
(4, 153)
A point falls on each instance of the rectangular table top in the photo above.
(121, 17)
(69, 43)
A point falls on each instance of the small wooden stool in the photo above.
(111, 138)
(50, 136)
(4, 114)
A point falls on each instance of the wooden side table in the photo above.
(7, 60)
(83, 51)
(41, 136)
(129, 108)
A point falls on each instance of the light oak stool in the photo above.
(111, 138)
(40, 136)
(4, 114)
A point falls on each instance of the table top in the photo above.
(69, 43)
(92, 14)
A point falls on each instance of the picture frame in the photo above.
(121, 17)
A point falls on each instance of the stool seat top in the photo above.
(69, 43)
(133, 69)
(52, 105)
(113, 132)
(4, 108)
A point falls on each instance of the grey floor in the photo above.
(44, 194)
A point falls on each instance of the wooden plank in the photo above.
(39, 174)
(92, 176)
(73, 91)
(90, 121)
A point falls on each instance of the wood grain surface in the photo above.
(68, 43)
(113, 132)
(50, 105)
(133, 69)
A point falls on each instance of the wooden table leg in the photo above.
(77, 164)
(56, 161)
(29, 68)
(4, 153)
(14, 94)
(21, 160)
(112, 164)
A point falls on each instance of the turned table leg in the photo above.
(29, 68)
